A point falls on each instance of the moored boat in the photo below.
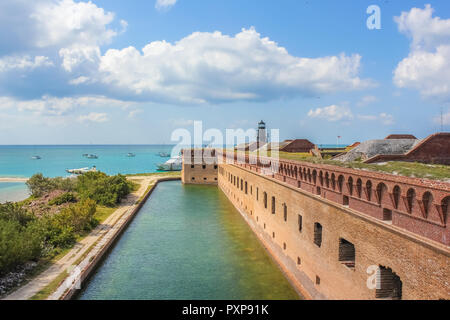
(173, 164)
(81, 170)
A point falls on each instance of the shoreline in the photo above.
(13, 179)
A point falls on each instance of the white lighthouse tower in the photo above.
(262, 134)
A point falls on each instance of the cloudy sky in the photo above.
(114, 71)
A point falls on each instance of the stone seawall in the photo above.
(89, 264)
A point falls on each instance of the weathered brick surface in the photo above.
(423, 266)
(417, 205)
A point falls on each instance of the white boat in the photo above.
(92, 156)
(173, 164)
(81, 170)
(164, 154)
(36, 158)
(131, 155)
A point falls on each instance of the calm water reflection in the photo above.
(188, 242)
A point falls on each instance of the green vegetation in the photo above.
(408, 169)
(103, 213)
(51, 287)
(64, 198)
(86, 201)
(39, 185)
(105, 190)
(174, 174)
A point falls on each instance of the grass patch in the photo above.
(103, 213)
(407, 169)
(157, 174)
(51, 287)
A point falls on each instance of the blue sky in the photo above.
(74, 72)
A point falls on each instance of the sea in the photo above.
(18, 162)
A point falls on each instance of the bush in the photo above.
(14, 212)
(18, 244)
(39, 185)
(105, 190)
(64, 198)
(62, 229)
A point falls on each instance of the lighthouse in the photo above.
(262, 134)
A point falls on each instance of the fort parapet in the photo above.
(330, 227)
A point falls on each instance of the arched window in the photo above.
(350, 185)
(396, 195)
(359, 187)
(314, 176)
(327, 180)
(381, 191)
(427, 200)
(445, 204)
(340, 182)
(390, 286)
(321, 178)
(318, 234)
(333, 181)
(410, 198)
(369, 189)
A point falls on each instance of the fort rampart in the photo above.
(331, 227)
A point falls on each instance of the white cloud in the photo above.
(76, 55)
(54, 106)
(79, 80)
(384, 118)
(94, 117)
(75, 29)
(212, 67)
(64, 22)
(164, 4)
(23, 63)
(331, 113)
(366, 100)
(134, 113)
(427, 67)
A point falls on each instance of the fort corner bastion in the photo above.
(338, 233)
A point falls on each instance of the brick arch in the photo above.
(296, 172)
(333, 181)
(314, 176)
(327, 179)
(309, 175)
(426, 203)
(381, 192)
(321, 177)
(410, 199)
(368, 187)
(305, 176)
(445, 209)
(396, 193)
(359, 187)
(340, 182)
(350, 185)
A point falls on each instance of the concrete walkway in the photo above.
(64, 264)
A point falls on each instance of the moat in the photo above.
(188, 242)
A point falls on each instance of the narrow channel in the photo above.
(188, 242)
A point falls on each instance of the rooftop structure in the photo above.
(435, 149)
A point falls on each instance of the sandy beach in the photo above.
(13, 179)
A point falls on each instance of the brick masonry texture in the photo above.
(377, 218)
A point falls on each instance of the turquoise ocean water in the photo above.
(16, 161)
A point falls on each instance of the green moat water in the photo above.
(188, 242)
